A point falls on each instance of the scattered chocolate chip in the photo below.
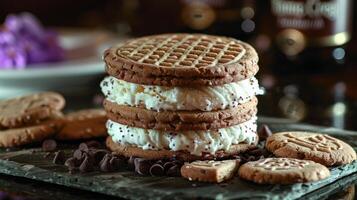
(59, 158)
(116, 163)
(142, 166)
(70, 163)
(78, 154)
(177, 162)
(87, 164)
(49, 145)
(252, 158)
(160, 162)
(157, 170)
(104, 164)
(256, 152)
(99, 154)
(83, 146)
(174, 171)
(131, 164)
(168, 165)
(264, 132)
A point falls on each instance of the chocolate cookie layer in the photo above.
(128, 151)
(180, 120)
(182, 60)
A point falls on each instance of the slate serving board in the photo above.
(30, 163)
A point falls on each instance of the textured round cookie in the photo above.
(31, 109)
(83, 124)
(182, 60)
(283, 171)
(180, 120)
(128, 151)
(30, 134)
(320, 148)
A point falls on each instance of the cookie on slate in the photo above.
(210, 170)
(30, 134)
(182, 60)
(283, 171)
(320, 148)
(180, 120)
(129, 151)
(83, 124)
(28, 110)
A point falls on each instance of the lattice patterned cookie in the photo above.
(182, 59)
(283, 171)
(320, 148)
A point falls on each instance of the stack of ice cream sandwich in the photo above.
(183, 96)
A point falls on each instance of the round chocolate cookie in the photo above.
(182, 60)
(28, 110)
(128, 151)
(83, 124)
(30, 134)
(180, 120)
(320, 148)
(283, 171)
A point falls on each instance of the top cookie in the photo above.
(182, 60)
(30, 109)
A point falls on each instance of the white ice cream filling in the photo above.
(158, 98)
(195, 142)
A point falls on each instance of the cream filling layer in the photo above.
(195, 142)
(158, 98)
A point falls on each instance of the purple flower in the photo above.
(24, 41)
(12, 57)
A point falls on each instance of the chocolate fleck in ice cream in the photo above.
(181, 96)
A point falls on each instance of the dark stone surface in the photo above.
(30, 163)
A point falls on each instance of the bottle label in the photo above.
(319, 22)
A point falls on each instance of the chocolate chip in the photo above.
(142, 166)
(116, 163)
(87, 164)
(83, 147)
(49, 145)
(264, 132)
(160, 162)
(157, 170)
(99, 154)
(168, 165)
(78, 154)
(252, 158)
(59, 158)
(104, 164)
(70, 163)
(256, 152)
(174, 171)
(178, 162)
(131, 164)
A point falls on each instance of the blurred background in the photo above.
(307, 48)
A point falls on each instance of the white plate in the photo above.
(79, 72)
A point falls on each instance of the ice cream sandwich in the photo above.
(184, 96)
